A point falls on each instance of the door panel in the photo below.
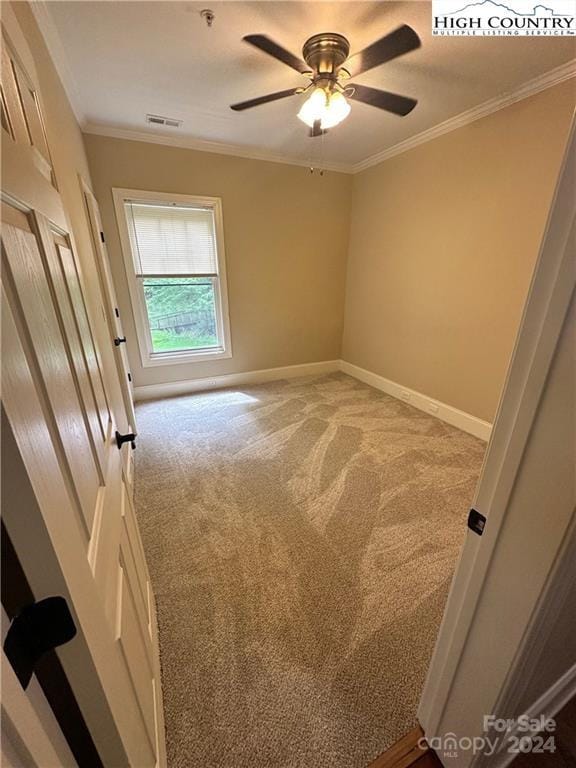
(99, 427)
(32, 114)
(12, 103)
(137, 550)
(23, 113)
(103, 551)
(133, 643)
(135, 573)
(24, 270)
(91, 361)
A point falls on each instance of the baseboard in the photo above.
(447, 413)
(173, 388)
(464, 421)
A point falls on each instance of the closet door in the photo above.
(110, 303)
(56, 399)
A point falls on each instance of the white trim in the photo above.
(201, 145)
(170, 389)
(540, 83)
(147, 357)
(447, 413)
(464, 421)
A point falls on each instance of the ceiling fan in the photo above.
(329, 68)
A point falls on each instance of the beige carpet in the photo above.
(301, 536)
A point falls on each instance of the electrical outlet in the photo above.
(432, 408)
(405, 395)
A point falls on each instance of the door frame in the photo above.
(111, 307)
(552, 287)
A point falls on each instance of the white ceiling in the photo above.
(120, 60)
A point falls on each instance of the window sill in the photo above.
(175, 358)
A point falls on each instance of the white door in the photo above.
(501, 596)
(115, 328)
(56, 400)
(30, 735)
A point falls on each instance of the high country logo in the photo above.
(512, 19)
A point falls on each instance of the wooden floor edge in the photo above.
(407, 752)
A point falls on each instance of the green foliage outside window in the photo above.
(181, 313)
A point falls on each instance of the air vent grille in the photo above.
(160, 120)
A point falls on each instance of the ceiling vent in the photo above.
(159, 120)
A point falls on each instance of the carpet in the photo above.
(301, 537)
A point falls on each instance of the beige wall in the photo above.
(69, 161)
(443, 243)
(286, 237)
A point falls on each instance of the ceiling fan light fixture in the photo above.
(336, 110)
(330, 108)
(314, 107)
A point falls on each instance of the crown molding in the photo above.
(542, 82)
(530, 88)
(201, 145)
(49, 32)
(40, 9)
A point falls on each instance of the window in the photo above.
(174, 260)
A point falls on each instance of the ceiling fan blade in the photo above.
(263, 99)
(391, 102)
(389, 47)
(273, 49)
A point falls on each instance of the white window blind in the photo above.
(171, 239)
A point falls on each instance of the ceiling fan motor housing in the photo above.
(326, 52)
(328, 68)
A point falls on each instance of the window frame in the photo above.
(148, 357)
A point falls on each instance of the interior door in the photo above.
(113, 319)
(56, 400)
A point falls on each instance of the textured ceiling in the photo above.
(121, 60)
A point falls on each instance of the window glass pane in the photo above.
(181, 313)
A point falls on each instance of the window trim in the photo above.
(148, 357)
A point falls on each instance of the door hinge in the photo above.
(129, 437)
(102, 236)
(116, 312)
(38, 628)
(129, 376)
(476, 522)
